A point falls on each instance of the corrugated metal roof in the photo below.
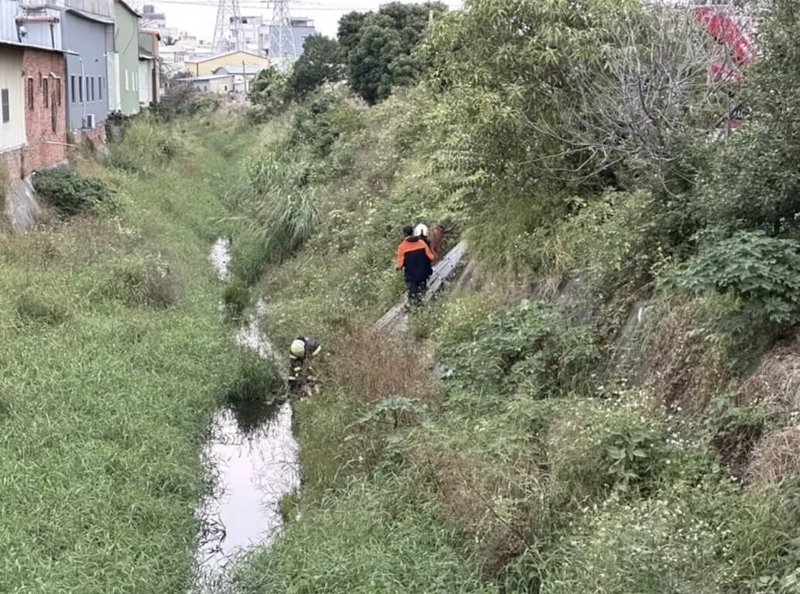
(91, 17)
(24, 46)
(234, 69)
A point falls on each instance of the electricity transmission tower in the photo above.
(228, 14)
(281, 42)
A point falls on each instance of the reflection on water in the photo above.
(253, 458)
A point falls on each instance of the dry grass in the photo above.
(499, 508)
(776, 382)
(371, 367)
(679, 362)
(776, 457)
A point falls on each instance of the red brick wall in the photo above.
(46, 146)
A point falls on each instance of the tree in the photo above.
(321, 62)
(652, 98)
(268, 90)
(754, 181)
(379, 47)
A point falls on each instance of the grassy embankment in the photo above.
(581, 444)
(114, 359)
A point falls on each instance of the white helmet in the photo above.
(298, 348)
(421, 230)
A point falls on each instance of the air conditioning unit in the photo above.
(89, 121)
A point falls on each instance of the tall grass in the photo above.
(106, 400)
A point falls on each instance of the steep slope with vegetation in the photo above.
(613, 407)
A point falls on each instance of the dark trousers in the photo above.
(416, 291)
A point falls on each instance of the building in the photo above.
(149, 78)
(242, 76)
(87, 39)
(218, 84)
(176, 51)
(259, 36)
(152, 19)
(33, 125)
(301, 29)
(12, 109)
(125, 60)
(241, 60)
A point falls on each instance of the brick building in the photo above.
(33, 129)
(44, 76)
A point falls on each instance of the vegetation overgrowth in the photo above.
(606, 400)
(114, 359)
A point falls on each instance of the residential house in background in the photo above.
(149, 78)
(218, 84)
(242, 76)
(241, 60)
(125, 60)
(33, 127)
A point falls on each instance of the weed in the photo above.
(149, 281)
(376, 538)
(32, 308)
(256, 379)
(235, 299)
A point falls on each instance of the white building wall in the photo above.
(114, 82)
(145, 82)
(12, 133)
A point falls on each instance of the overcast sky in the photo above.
(198, 16)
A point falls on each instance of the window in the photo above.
(72, 87)
(126, 81)
(93, 85)
(88, 96)
(54, 115)
(5, 105)
(46, 92)
(58, 92)
(30, 94)
(100, 87)
(80, 89)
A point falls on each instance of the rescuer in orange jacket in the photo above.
(414, 257)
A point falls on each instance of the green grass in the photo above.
(373, 538)
(105, 400)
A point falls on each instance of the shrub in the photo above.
(594, 445)
(182, 100)
(762, 272)
(148, 143)
(69, 192)
(325, 119)
(533, 347)
(256, 379)
(148, 281)
(689, 539)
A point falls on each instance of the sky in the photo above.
(198, 16)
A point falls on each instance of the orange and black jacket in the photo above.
(415, 257)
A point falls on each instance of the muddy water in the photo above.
(253, 457)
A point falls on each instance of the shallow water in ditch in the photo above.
(253, 456)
